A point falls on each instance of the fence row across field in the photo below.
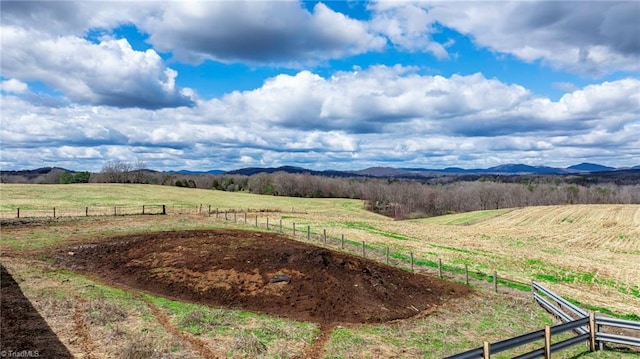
(117, 210)
(586, 327)
(89, 211)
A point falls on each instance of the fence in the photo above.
(89, 211)
(383, 254)
(587, 327)
(567, 311)
(259, 218)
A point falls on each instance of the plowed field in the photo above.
(260, 272)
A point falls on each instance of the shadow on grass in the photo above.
(23, 332)
(613, 351)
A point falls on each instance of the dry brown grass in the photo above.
(600, 240)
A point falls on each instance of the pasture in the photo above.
(589, 253)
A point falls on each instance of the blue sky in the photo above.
(322, 85)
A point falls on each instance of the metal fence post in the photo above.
(387, 255)
(466, 273)
(592, 332)
(600, 342)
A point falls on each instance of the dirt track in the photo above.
(234, 269)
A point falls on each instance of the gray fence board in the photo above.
(570, 306)
(618, 339)
(517, 341)
(618, 323)
(470, 354)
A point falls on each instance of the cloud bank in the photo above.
(83, 83)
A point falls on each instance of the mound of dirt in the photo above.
(261, 272)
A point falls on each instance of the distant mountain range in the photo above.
(187, 172)
(508, 169)
(386, 172)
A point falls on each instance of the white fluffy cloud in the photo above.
(14, 86)
(281, 32)
(106, 100)
(408, 26)
(383, 99)
(76, 18)
(594, 37)
(108, 73)
(336, 120)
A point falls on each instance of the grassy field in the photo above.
(588, 253)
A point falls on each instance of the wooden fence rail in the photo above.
(545, 334)
(587, 326)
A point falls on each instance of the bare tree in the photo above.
(116, 172)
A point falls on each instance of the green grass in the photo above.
(254, 333)
(369, 228)
(198, 319)
(542, 271)
(419, 339)
(79, 196)
(37, 239)
(451, 330)
(465, 218)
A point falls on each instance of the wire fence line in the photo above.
(116, 210)
(89, 211)
(260, 218)
(406, 260)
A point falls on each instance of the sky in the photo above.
(321, 85)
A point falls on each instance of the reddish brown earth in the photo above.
(233, 269)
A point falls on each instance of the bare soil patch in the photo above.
(260, 272)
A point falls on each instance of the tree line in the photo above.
(397, 198)
(403, 199)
